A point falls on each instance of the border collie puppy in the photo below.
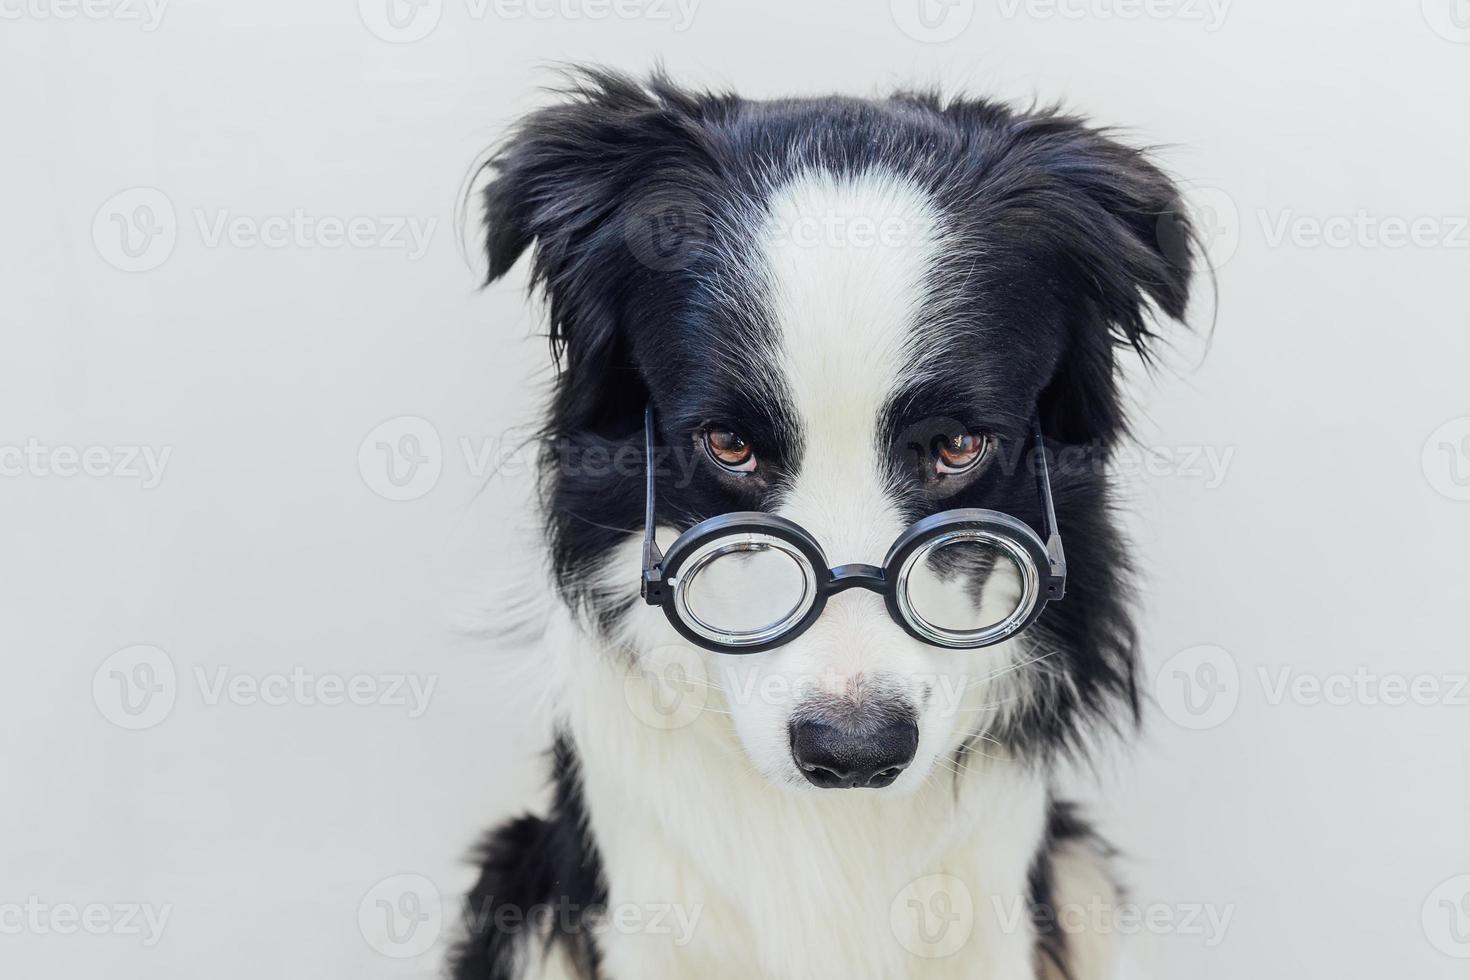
(849, 315)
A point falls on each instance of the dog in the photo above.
(850, 315)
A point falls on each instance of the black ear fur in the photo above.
(1117, 224)
(569, 181)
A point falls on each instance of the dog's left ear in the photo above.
(1124, 250)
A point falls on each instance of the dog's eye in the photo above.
(729, 448)
(959, 453)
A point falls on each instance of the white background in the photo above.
(1332, 834)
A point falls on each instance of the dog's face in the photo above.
(845, 313)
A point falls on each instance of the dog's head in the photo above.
(847, 313)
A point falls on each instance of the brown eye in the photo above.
(959, 453)
(729, 448)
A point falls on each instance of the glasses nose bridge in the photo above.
(857, 575)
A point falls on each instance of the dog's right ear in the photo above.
(563, 170)
(572, 183)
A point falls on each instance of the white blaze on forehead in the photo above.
(847, 266)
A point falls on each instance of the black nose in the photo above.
(834, 757)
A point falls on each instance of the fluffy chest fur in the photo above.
(795, 886)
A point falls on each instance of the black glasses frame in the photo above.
(1043, 565)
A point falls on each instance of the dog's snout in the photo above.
(835, 756)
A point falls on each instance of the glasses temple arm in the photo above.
(651, 555)
(1054, 551)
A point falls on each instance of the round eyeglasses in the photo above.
(749, 581)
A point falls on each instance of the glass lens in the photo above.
(968, 584)
(748, 585)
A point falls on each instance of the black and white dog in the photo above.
(848, 313)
